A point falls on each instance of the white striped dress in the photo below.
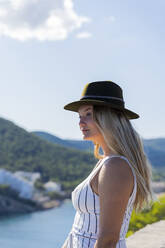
(85, 228)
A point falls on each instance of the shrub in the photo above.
(55, 195)
(140, 220)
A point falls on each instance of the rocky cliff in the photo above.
(12, 206)
(9, 205)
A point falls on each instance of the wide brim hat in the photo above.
(102, 93)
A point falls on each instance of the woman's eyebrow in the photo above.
(85, 110)
(88, 109)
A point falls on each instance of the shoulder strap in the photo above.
(99, 165)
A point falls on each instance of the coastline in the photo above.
(10, 206)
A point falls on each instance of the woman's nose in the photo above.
(81, 122)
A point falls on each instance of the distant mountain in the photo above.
(68, 164)
(156, 144)
(154, 148)
(76, 144)
(21, 150)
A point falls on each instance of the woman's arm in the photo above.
(115, 184)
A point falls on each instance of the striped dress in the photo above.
(85, 227)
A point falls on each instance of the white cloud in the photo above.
(83, 35)
(39, 19)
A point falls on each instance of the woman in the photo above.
(120, 181)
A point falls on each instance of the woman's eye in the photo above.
(87, 114)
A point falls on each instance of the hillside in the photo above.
(21, 150)
(154, 148)
(158, 144)
(76, 144)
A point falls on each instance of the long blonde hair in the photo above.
(121, 138)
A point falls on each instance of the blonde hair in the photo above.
(122, 139)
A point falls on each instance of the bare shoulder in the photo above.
(115, 175)
(117, 167)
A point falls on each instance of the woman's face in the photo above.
(87, 125)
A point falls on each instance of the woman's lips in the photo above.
(85, 130)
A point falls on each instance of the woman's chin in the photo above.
(85, 137)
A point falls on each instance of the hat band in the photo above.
(107, 97)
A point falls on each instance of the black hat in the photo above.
(103, 93)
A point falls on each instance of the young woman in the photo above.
(120, 181)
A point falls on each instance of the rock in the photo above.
(151, 236)
(51, 204)
(12, 206)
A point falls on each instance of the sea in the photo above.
(43, 229)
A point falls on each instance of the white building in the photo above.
(21, 185)
(52, 186)
(29, 176)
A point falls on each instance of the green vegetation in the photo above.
(75, 144)
(154, 148)
(21, 150)
(147, 216)
(56, 196)
(7, 191)
(39, 185)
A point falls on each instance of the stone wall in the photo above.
(151, 236)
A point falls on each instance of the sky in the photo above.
(50, 49)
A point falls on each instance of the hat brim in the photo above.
(74, 106)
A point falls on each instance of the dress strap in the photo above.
(104, 160)
(99, 165)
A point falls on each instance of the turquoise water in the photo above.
(45, 229)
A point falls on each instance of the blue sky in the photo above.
(50, 49)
